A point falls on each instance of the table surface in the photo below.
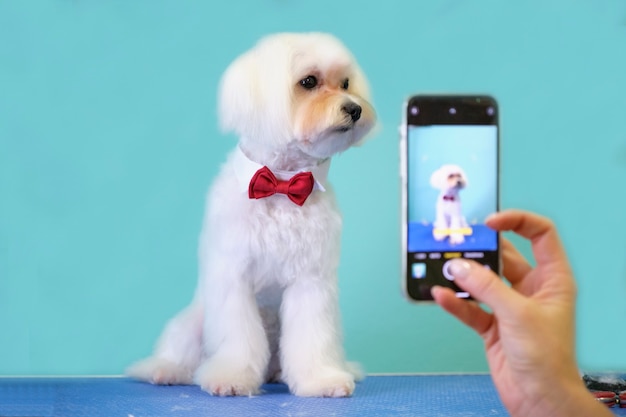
(415, 395)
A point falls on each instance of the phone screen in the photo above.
(450, 185)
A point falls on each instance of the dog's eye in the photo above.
(309, 82)
(346, 84)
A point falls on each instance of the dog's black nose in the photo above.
(352, 109)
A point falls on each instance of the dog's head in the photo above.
(448, 177)
(297, 90)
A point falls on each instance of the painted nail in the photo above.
(460, 268)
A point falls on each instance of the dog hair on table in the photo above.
(266, 304)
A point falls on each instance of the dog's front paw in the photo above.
(227, 379)
(439, 235)
(160, 371)
(327, 383)
(457, 238)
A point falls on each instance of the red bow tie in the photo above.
(448, 197)
(264, 184)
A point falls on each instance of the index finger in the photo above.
(514, 266)
(541, 232)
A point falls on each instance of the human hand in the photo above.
(529, 335)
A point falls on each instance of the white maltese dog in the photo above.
(266, 305)
(449, 179)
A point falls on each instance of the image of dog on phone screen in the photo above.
(449, 179)
(444, 211)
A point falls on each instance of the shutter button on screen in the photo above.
(446, 271)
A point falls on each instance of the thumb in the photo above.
(483, 285)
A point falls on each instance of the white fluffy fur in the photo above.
(266, 304)
(449, 214)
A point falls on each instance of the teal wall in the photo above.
(109, 139)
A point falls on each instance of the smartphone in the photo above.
(449, 164)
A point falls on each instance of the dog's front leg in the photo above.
(236, 346)
(440, 226)
(312, 356)
(457, 223)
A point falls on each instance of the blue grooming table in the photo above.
(419, 395)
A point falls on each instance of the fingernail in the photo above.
(460, 268)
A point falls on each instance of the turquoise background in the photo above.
(109, 140)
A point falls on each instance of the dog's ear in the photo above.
(236, 94)
(437, 179)
(254, 97)
(359, 83)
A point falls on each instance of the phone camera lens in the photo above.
(415, 110)
(490, 111)
(452, 110)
